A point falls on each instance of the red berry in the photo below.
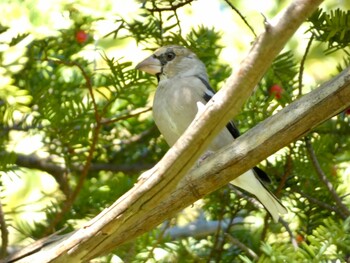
(81, 36)
(277, 91)
(347, 111)
(299, 238)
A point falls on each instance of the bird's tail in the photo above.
(250, 183)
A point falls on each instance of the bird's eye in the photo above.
(170, 56)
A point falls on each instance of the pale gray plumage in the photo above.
(182, 91)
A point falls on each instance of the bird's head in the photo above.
(170, 61)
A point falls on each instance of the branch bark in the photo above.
(162, 191)
(47, 165)
(58, 172)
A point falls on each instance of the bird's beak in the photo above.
(150, 65)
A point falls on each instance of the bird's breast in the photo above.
(173, 109)
(175, 106)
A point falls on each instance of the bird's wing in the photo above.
(250, 180)
(207, 96)
(231, 127)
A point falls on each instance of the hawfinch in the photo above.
(184, 89)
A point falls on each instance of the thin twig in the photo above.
(288, 169)
(242, 246)
(251, 199)
(216, 244)
(314, 200)
(287, 172)
(266, 226)
(126, 116)
(171, 8)
(139, 137)
(290, 232)
(224, 226)
(161, 27)
(69, 203)
(241, 16)
(158, 241)
(86, 77)
(178, 22)
(322, 176)
(227, 228)
(302, 64)
(95, 134)
(116, 31)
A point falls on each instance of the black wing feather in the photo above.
(233, 130)
(230, 126)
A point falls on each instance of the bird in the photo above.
(183, 90)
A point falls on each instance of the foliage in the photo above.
(97, 135)
(332, 27)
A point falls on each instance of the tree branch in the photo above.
(46, 165)
(57, 171)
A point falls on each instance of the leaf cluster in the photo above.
(332, 28)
